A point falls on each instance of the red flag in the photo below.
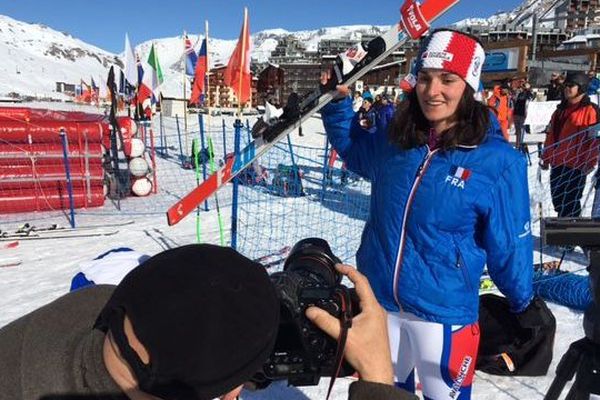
(199, 74)
(237, 74)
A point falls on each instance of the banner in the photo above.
(501, 60)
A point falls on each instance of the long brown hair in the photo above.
(409, 127)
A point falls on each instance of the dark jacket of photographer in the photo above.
(54, 351)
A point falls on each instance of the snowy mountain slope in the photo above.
(34, 57)
(522, 16)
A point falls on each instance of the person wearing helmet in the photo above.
(570, 150)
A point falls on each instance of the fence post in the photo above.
(202, 147)
(153, 157)
(163, 145)
(181, 156)
(224, 140)
(325, 170)
(234, 202)
(248, 134)
(65, 145)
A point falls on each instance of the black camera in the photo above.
(303, 353)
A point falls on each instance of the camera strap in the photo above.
(345, 323)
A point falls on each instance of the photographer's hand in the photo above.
(367, 345)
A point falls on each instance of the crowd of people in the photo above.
(449, 196)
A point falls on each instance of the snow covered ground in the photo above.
(49, 265)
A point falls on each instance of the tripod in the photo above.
(583, 357)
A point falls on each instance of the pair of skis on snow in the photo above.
(32, 232)
(11, 239)
(350, 66)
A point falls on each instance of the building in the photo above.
(66, 88)
(221, 95)
(581, 14)
(299, 78)
(270, 85)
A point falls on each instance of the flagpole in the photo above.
(207, 72)
(242, 60)
(185, 110)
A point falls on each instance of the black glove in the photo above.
(536, 315)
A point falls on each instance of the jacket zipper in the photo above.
(418, 178)
(460, 264)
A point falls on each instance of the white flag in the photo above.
(131, 72)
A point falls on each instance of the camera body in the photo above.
(303, 353)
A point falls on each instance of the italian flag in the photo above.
(151, 79)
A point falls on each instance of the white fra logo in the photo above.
(458, 176)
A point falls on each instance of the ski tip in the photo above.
(10, 245)
(170, 220)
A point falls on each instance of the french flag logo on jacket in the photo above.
(458, 176)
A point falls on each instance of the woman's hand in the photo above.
(342, 90)
(367, 345)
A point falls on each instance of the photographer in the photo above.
(194, 322)
(367, 346)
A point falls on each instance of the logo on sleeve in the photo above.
(458, 176)
(526, 230)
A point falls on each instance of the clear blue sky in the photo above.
(103, 23)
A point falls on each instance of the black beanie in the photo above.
(578, 78)
(207, 316)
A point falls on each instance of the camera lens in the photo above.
(313, 258)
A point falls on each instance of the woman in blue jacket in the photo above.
(449, 195)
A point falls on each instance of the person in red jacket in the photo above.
(570, 149)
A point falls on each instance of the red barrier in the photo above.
(32, 171)
(41, 114)
(94, 184)
(48, 131)
(32, 201)
(56, 171)
(48, 150)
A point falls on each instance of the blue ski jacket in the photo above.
(437, 218)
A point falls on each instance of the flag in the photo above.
(102, 89)
(200, 74)
(130, 64)
(151, 79)
(190, 57)
(93, 90)
(86, 92)
(237, 74)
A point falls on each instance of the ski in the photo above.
(281, 252)
(350, 67)
(10, 262)
(59, 234)
(27, 228)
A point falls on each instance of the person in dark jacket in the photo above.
(449, 195)
(194, 322)
(554, 90)
(522, 99)
(570, 149)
